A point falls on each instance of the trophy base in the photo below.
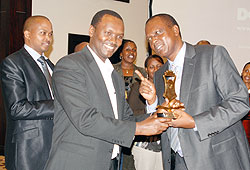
(169, 115)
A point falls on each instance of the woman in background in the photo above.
(146, 150)
(126, 68)
(246, 78)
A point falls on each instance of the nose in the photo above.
(132, 52)
(113, 39)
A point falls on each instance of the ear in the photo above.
(91, 30)
(26, 34)
(176, 30)
(121, 55)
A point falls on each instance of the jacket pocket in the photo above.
(76, 148)
(225, 145)
(227, 154)
(25, 135)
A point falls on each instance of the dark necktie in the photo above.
(45, 69)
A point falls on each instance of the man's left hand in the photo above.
(183, 120)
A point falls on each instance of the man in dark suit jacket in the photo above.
(28, 99)
(210, 135)
(91, 113)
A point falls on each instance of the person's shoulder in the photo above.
(142, 70)
(209, 49)
(139, 68)
(17, 54)
(136, 84)
(68, 58)
(75, 60)
(16, 57)
(204, 48)
(118, 67)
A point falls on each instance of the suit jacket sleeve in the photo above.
(233, 98)
(15, 91)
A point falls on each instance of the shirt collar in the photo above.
(35, 55)
(103, 66)
(179, 59)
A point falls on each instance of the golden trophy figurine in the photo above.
(169, 93)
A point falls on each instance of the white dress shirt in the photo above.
(35, 55)
(106, 70)
(177, 67)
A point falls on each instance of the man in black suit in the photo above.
(92, 117)
(28, 99)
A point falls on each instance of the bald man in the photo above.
(80, 46)
(203, 42)
(28, 99)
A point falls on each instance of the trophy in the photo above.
(169, 93)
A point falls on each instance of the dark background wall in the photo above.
(13, 13)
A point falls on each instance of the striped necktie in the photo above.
(45, 70)
(174, 139)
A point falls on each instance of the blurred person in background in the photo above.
(80, 46)
(246, 78)
(203, 42)
(146, 150)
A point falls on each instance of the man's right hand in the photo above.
(153, 125)
(147, 89)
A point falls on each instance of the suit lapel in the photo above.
(161, 89)
(115, 78)
(187, 74)
(159, 82)
(39, 74)
(51, 65)
(97, 78)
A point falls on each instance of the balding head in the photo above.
(32, 20)
(203, 42)
(80, 46)
(38, 33)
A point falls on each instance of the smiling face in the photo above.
(163, 39)
(107, 36)
(39, 35)
(246, 74)
(129, 52)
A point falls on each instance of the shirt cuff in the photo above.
(195, 128)
(152, 108)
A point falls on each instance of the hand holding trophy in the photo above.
(147, 90)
